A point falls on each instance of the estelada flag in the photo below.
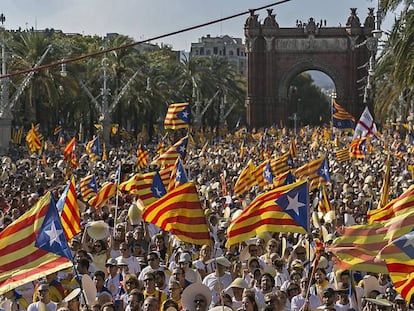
(283, 209)
(69, 210)
(178, 116)
(107, 191)
(70, 147)
(180, 212)
(33, 246)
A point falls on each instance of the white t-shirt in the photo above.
(51, 306)
(298, 301)
(133, 264)
(217, 284)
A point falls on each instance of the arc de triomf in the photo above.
(275, 56)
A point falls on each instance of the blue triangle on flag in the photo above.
(184, 114)
(157, 187)
(267, 173)
(182, 149)
(323, 170)
(295, 203)
(51, 237)
(406, 243)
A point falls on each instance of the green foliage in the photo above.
(308, 101)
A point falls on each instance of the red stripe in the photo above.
(175, 206)
(268, 221)
(17, 245)
(192, 235)
(186, 189)
(22, 223)
(399, 267)
(41, 268)
(18, 263)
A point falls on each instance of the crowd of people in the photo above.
(137, 266)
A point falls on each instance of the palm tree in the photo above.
(41, 93)
(395, 72)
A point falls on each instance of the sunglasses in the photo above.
(152, 259)
(199, 301)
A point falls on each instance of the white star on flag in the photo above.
(185, 114)
(409, 240)
(54, 234)
(158, 191)
(294, 204)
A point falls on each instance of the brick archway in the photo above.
(276, 55)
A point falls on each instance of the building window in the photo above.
(238, 52)
(201, 51)
(208, 52)
(231, 53)
(215, 50)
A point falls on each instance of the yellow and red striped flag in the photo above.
(358, 148)
(358, 248)
(259, 174)
(17, 134)
(92, 149)
(246, 179)
(180, 213)
(243, 149)
(342, 155)
(34, 139)
(179, 149)
(399, 259)
(282, 164)
(324, 205)
(33, 246)
(178, 176)
(165, 174)
(403, 204)
(69, 210)
(107, 191)
(88, 187)
(316, 171)
(68, 151)
(292, 148)
(283, 209)
(283, 179)
(142, 157)
(149, 187)
(385, 188)
(178, 116)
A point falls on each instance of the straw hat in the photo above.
(221, 308)
(239, 283)
(98, 230)
(72, 295)
(191, 291)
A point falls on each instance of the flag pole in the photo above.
(117, 181)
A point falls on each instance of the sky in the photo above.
(144, 19)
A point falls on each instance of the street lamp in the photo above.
(105, 91)
(5, 113)
(295, 116)
(371, 44)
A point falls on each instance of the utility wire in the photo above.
(81, 57)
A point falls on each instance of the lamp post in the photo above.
(105, 91)
(295, 116)
(5, 113)
(372, 46)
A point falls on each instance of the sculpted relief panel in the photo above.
(312, 44)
